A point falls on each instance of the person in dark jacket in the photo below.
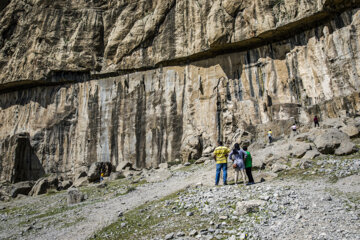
(316, 121)
(248, 166)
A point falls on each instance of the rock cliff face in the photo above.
(153, 81)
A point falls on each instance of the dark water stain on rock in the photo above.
(140, 125)
(93, 127)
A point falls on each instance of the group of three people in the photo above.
(242, 163)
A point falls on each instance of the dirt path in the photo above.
(98, 215)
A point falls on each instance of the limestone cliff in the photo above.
(152, 81)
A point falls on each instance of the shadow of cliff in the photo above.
(25, 92)
(19, 161)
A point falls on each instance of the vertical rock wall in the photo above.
(159, 115)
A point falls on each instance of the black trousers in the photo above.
(248, 173)
(317, 123)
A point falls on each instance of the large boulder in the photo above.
(333, 123)
(97, 168)
(64, 185)
(249, 206)
(330, 140)
(122, 165)
(41, 186)
(81, 182)
(346, 148)
(191, 148)
(351, 130)
(299, 149)
(21, 188)
(81, 172)
(75, 196)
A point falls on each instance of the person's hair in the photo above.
(245, 148)
(237, 146)
(220, 143)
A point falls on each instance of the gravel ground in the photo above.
(48, 216)
(319, 202)
(303, 204)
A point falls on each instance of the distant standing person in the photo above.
(316, 121)
(220, 154)
(293, 129)
(101, 177)
(270, 136)
(248, 166)
(239, 156)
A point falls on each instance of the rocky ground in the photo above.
(302, 204)
(319, 201)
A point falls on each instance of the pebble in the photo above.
(189, 214)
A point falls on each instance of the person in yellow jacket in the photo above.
(220, 155)
(270, 136)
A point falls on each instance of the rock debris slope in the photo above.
(155, 81)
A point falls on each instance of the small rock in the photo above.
(265, 198)
(233, 237)
(169, 236)
(249, 206)
(123, 225)
(193, 233)
(189, 214)
(180, 234)
(223, 217)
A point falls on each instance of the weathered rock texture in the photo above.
(154, 81)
